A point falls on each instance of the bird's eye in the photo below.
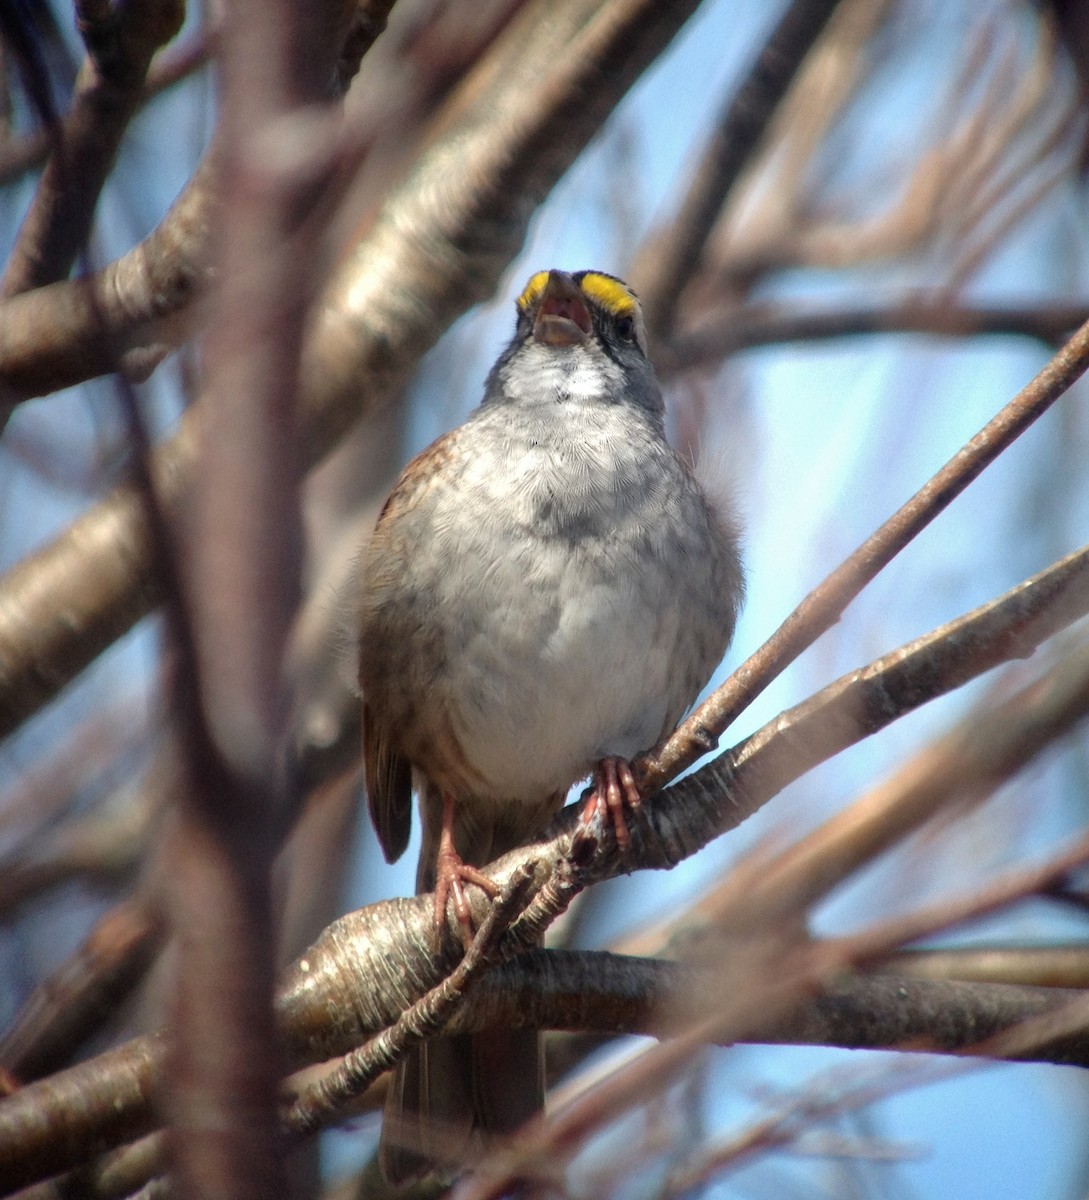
(625, 328)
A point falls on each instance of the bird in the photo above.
(546, 591)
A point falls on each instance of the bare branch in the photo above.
(721, 335)
(128, 314)
(18, 156)
(40, 1130)
(824, 605)
(64, 1009)
(439, 246)
(865, 701)
(122, 42)
(672, 263)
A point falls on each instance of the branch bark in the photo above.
(438, 247)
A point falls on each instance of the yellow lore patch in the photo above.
(608, 293)
(532, 290)
(611, 294)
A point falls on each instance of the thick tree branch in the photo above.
(370, 965)
(439, 246)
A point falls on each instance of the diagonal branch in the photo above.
(672, 263)
(438, 247)
(109, 87)
(820, 610)
(866, 701)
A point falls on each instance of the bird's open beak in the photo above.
(562, 316)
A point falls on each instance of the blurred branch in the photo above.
(439, 247)
(768, 205)
(1059, 966)
(134, 311)
(365, 25)
(798, 1121)
(722, 335)
(40, 1131)
(1001, 140)
(700, 731)
(670, 264)
(18, 156)
(87, 762)
(103, 845)
(232, 609)
(121, 42)
(66, 1008)
(129, 312)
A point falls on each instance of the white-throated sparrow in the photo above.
(546, 591)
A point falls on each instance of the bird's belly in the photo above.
(572, 666)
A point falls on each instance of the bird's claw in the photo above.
(614, 791)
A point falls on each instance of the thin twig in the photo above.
(321, 1103)
(675, 257)
(825, 604)
(720, 336)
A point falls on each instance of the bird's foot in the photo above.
(615, 790)
(451, 874)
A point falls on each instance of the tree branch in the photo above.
(672, 262)
(121, 43)
(438, 247)
(700, 731)
(762, 325)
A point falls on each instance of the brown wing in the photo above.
(391, 619)
(389, 790)
(399, 646)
